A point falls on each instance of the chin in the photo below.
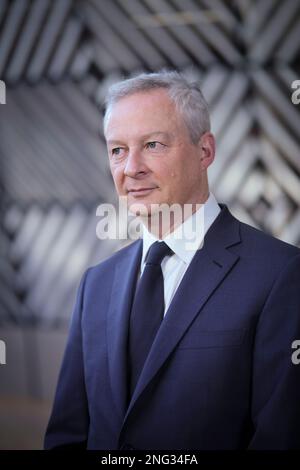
(141, 209)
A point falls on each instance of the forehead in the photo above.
(143, 112)
(144, 99)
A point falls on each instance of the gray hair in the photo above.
(187, 97)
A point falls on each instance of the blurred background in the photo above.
(57, 58)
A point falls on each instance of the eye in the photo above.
(154, 145)
(116, 151)
(151, 145)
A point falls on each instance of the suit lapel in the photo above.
(124, 281)
(207, 270)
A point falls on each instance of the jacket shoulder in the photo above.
(265, 245)
(113, 259)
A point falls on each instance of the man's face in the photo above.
(152, 158)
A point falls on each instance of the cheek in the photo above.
(117, 177)
(169, 174)
(173, 185)
(116, 172)
(179, 181)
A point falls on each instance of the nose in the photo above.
(135, 164)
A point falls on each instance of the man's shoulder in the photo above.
(264, 245)
(249, 241)
(113, 259)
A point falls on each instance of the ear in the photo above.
(207, 145)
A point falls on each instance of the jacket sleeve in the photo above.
(69, 421)
(276, 379)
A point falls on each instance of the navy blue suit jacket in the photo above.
(219, 374)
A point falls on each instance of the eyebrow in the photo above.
(143, 137)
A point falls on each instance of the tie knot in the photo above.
(157, 252)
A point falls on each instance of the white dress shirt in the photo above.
(184, 247)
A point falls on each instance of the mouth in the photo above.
(141, 191)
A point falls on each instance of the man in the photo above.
(215, 370)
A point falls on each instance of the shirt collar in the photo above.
(210, 210)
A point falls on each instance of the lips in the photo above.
(141, 191)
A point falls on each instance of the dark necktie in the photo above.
(147, 310)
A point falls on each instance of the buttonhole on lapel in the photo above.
(218, 264)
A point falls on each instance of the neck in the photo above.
(164, 221)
